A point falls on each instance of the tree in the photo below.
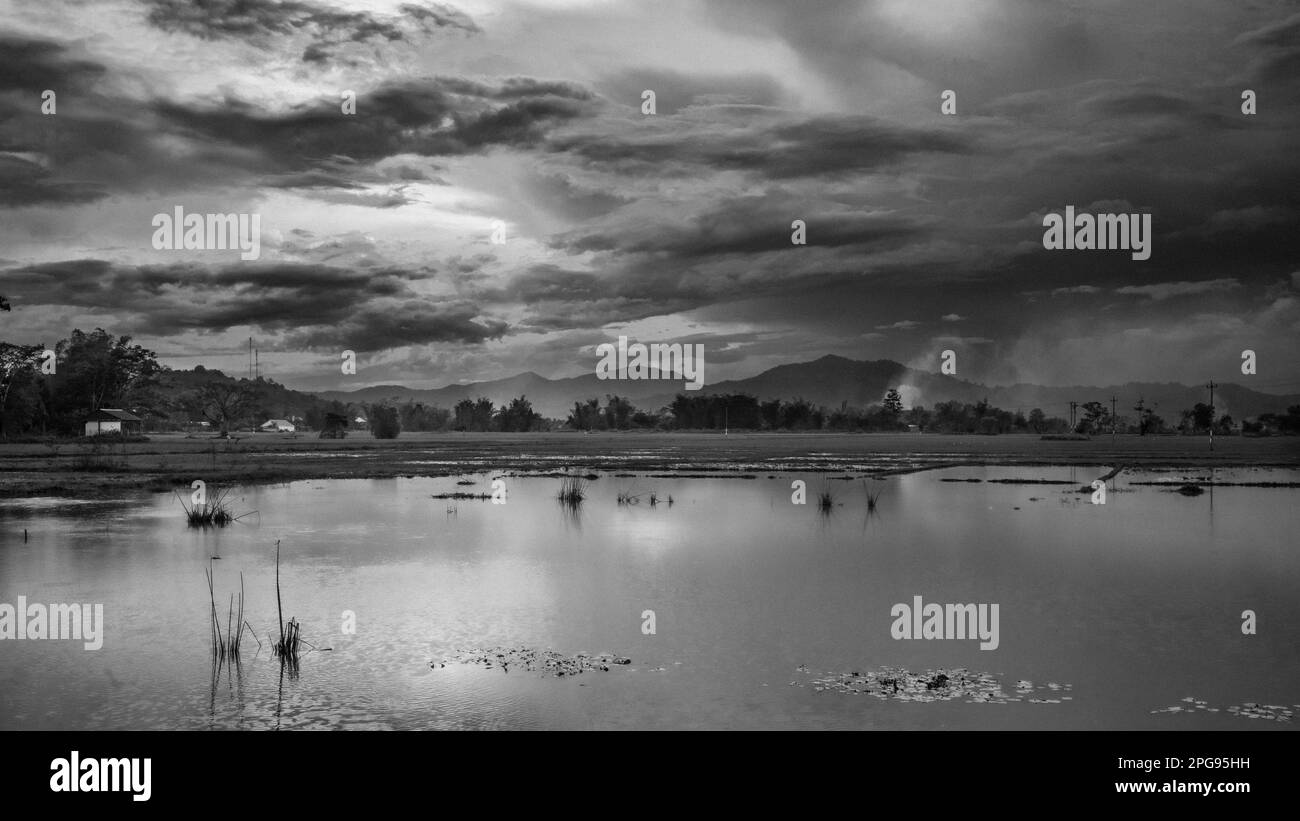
(384, 423)
(223, 404)
(1225, 425)
(893, 404)
(517, 416)
(21, 393)
(1199, 418)
(585, 415)
(618, 412)
(1037, 420)
(473, 415)
(1147, 421)
(1096, 418)
(95, 370)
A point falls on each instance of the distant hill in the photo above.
(830, 381)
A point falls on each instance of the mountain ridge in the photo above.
(832, 380)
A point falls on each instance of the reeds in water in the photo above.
(214, 513)
(825, 501)
(291, 640)
(873, 498)
(573, 490)
(225, 645)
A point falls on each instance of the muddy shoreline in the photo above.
(171, 462)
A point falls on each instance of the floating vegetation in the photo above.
(467, 482)
(527, 659)
(1190, 490)
(1268, 712)
(898, 684)
(216, 513)
(572, 491)
(460, 494)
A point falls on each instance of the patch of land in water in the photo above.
(172, 461)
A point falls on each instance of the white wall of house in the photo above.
(96, 428)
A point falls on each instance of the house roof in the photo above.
(106, 414)
(276, 422)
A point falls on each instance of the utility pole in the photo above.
(1073, 405)
(1112, 420)
(1211, 387)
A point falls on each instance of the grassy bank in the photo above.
(170, 461)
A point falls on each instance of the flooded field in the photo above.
(533, 614)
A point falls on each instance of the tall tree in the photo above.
(95, 370)
(19, 393)
(223, 404)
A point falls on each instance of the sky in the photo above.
(924, 229)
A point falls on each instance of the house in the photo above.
(278, 426)
(114, 420)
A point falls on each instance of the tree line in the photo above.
(43, 393)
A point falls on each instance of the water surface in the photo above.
(1136, 604)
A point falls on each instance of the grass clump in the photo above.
(573, 490)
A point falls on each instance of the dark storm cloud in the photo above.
(435, 117)
(745, 225)
(676, 90)
(1276, 63)
(34, 65)
(108, 144)
(315, 305)
(262, 20)
(23, 182)
(376, 327)
(816, 147)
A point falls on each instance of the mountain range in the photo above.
(831, 381)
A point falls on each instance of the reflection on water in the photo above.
(1136, 603)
